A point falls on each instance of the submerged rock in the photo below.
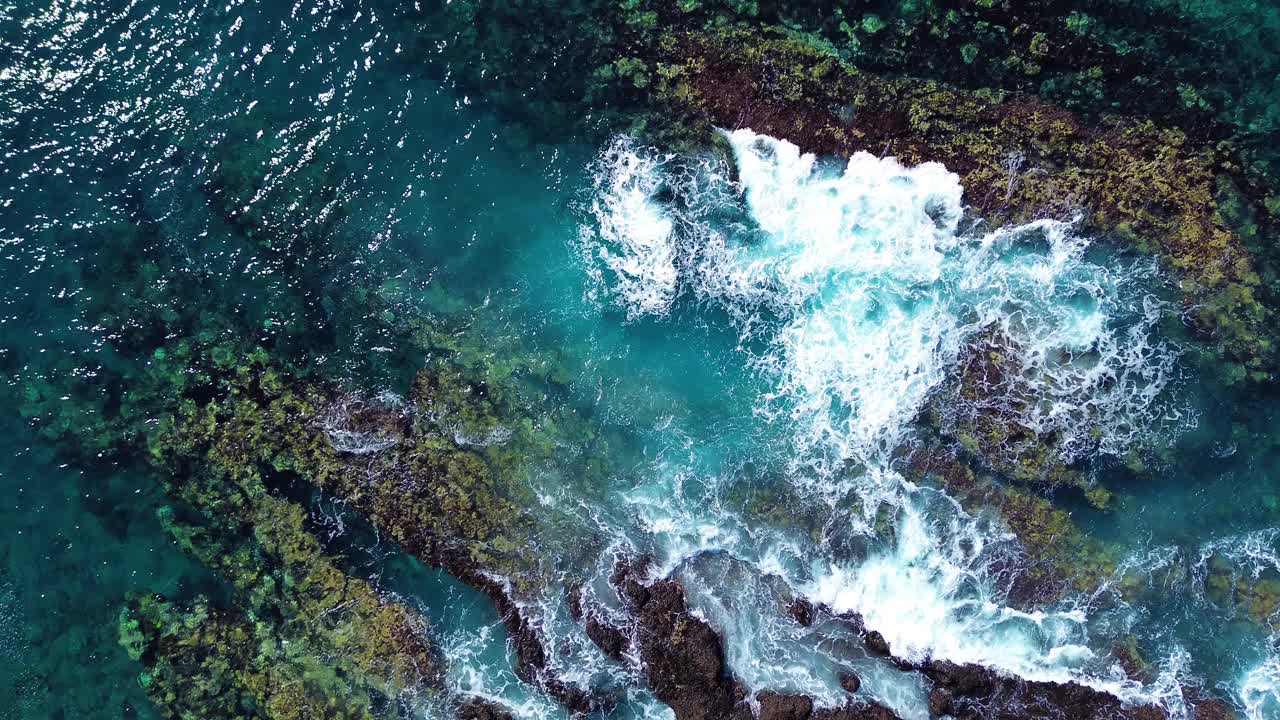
(1061, 556)
(480, 710)
(206, 663)
(800, 610)
(971, 692)
(436, 498)
(311, 636)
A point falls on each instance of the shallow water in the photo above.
(749, 331)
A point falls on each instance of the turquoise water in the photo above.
(262, 171)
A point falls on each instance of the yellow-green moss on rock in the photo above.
(207, 663)
(1018, 157)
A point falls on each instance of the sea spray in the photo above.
(874, 292)
(864, 284)
(1216, 570)
(635, 231)
(1259, 689)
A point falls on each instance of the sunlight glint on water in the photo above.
(837, 294)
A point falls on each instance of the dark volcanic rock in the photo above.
(850, 682)
(530, 655)
(682, 655)
(685, 667)
(876, 644)
(775, 706)
(481, 710)
(684, 660)
(612, 641)
(939, 702)
(801, 610)
(1213, 710)
(971, 692)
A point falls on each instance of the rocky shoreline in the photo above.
(226, 423)
(683, 662)
(289, 426)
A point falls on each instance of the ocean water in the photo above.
(758, 330)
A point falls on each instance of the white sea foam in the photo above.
(636, 243)
(876, 293)
(1259, 690)
(479, 668)
(1251, 553)
(852, 264)
(866, 293)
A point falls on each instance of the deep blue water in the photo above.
(131, 137)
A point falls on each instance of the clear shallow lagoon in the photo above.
(778, 338)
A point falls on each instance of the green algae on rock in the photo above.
(1062, 557)
(411, 469)
(221, 415)
(1255, 591)
(282, 575)
(437, 500)
(227, 399)
(313, 639)
(990, 434)
(203, 662)
(1018, 158)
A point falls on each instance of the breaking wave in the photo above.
(1259, 690)
(635, 233)
(870, 290)
(865, 283)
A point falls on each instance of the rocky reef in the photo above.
(1018, 157)
(404, 469)
(683, 662)
(400, 465)
(304, 638)
(233, 412)
(1099, 114)
(1059, 557)
(202, 662)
